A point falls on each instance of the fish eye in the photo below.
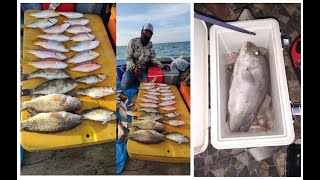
(256, 53)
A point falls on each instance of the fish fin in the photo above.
(24, 77)
(247, 76)
(245, 126)
(27, 92)
(125, 137)
(232, 57)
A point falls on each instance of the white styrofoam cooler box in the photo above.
(222, 41)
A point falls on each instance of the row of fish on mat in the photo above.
(149, 126)
(52, 110)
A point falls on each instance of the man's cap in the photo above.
(148, 26)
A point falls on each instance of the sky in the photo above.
(171, 22)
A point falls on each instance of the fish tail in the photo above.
(24, 77)
(23, 106)
(27, 92)
(22, 125)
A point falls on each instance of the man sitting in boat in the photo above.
(139, 52)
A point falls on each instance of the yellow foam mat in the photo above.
(88, 132)
(168, 150)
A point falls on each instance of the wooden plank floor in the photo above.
(97, 159)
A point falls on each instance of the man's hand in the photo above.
(136, 71)
(166, 67)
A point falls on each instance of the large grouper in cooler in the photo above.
(249, 85)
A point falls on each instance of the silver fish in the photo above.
(71, 15)
(47, 74)
(147, 125)
(54, 45)
(52, 103)
(173, 122)
(151, 97)
(168, 108)
(60, 28)
(48, 63)
(91, 79)
(83, 37)
(150, 116)
(165, 98)
(98, 114)
(45, 53)
(172, 114)
(165, 87)
(43, 23)
(249, 86)
(51, 122)
(57, 86)
(45, 14)
(147, 109)
(152, 93)
(95, 92)
(166, 94)
(87, 45)
(162, 85)
(149, 105)
(54, 37)
(153, 90)
(167, 103)
(177, 137)
(87, 66)
(165, 90)
(75, 22)
(147, 87)
(78, 29)
(149, 100)
(83, 56)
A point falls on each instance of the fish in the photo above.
(165, 91)
(83, 56)
(45, 14)
(83, 37)
(149, 100)
(179, 138)
(122, 112)
(43, 23)
(72, 15)
(86, 45)
(172, 114)
(173, 122)
(149, 116)
(86, 66)
(57, 86)
(149, 84)
(147, 125)
(130, 113)
(167, 103)
(147, 109)
(48, 63)
(51, 103)
(164, 87)
(94, 92)
(53, 45)
(78, 29)
(146, 136)
(151, 97)
(153, 90)
(75, 22)
(165, 98)
(92, 78)
(122, 105)
(49, 74)
(168, 108)
(45, 53)
(147, 87)
(151, 105)
(51, 122)
(98, 114)
(153, 93)
(166, 94)
(249, 85)
(54, 37)
(56, 29)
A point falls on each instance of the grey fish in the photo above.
(146, 136)
(150, 116)
(179, 138)
(249, 86)
(51, 103)
(43, 23)
(172, 114)
(47, 74)
(98, 114)
(174, 122)
(91, 79)
(51, 122)
(94, 92)
(147, 125)
(57, 86)
(148, 109)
